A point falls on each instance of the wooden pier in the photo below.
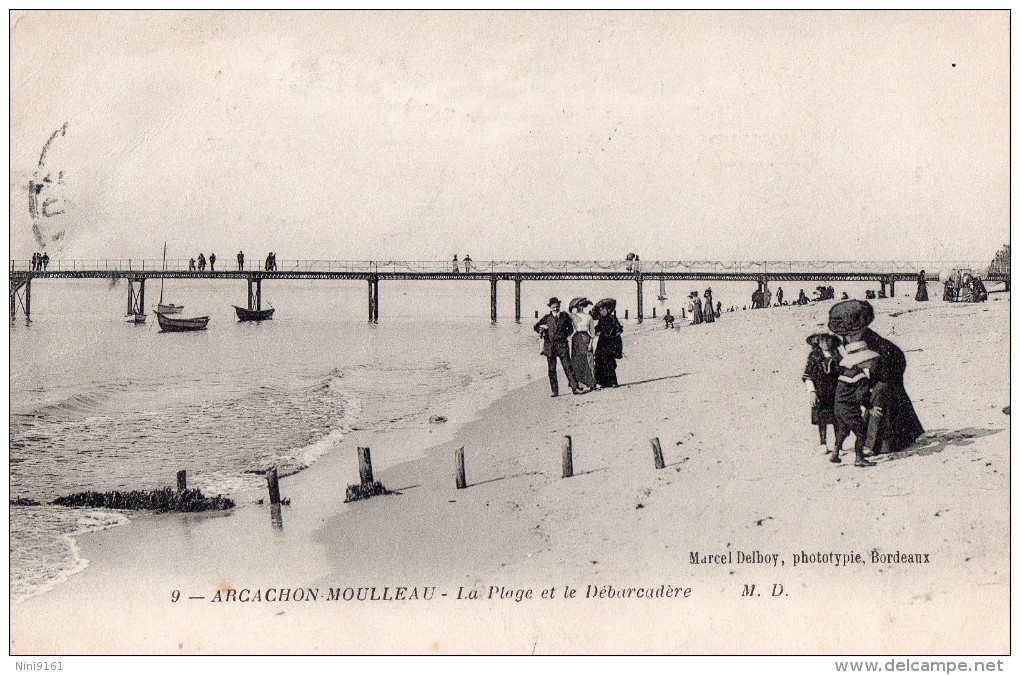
(636, 272)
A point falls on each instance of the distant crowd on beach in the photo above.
(586, 342)
(199, 264)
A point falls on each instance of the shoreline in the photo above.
(745, 477)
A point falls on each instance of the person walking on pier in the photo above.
(212, 262)
(272, 261)
(467, 263)
(456, 264)
(555, 329)
(240, 261)
(35, 261)
(201, 262)
(191, 265)
(45, 261)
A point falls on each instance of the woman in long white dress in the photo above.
(581, 358)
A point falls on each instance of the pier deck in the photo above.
(887, 273)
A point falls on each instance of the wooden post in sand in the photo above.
(660, 463)
(182, 480)
(459, 464)
(274, 486)
(365, 465)
(568, 457)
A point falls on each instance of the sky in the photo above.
(512, 135)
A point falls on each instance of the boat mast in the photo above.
(161, 278)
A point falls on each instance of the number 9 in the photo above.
(175, 596)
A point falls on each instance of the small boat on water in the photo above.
(253, 314)
(170, 325)
(169, 309)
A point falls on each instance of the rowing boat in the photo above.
(171, 325)
(253, 314)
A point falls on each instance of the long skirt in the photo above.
(605, 364)
(922, 293)
(582, 360)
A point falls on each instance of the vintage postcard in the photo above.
(393, 332)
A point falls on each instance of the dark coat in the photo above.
(900, 426)
(556, 337)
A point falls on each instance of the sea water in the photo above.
(102, 404)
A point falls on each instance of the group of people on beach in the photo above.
(698, 313)
(855, 382)
(200, 263)
(40, 261)
(959, 287)
(587, 343)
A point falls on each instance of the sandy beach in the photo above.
(744, 481)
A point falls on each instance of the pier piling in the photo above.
(517, 299)
(640, 299)
(274, 486)
(182, 480)
(458, 458)
(365, 465)
(492, 298)
(660, 463)
(568, 457)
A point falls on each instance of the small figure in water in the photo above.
(669, 319)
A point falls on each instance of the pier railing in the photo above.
(513, 266)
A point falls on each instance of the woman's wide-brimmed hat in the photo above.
(578, 302)
(850, 316)
(608, 303)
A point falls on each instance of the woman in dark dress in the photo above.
(608, 346)
(898, 425)
(709, 311)
(922, 287)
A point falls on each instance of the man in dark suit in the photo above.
(555, 329)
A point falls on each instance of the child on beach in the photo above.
(852, 400)
(820, 376)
